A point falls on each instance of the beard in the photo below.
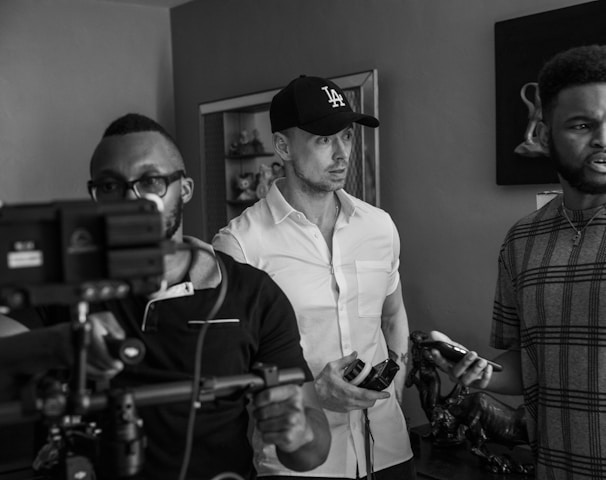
(575, 176)
(173, 220)
(313, 187)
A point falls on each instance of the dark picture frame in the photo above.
(522, 46)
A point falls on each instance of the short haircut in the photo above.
(570, 68)
(137, 123)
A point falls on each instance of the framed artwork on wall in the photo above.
(522, 46)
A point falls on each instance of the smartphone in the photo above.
(453, 353)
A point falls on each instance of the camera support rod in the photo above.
(78, 398)
(210, 389)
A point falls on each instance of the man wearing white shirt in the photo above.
(337, 258)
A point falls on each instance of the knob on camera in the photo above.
(130, 350)
(377, 378)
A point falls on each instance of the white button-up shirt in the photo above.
(338, 300)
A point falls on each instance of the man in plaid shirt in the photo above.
(550, 303)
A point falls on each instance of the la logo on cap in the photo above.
(334, 98)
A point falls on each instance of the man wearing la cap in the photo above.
(337, 258)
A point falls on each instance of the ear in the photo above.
(543, 134)
(281, 146)
(187, 189)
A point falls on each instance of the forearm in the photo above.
(36, 351)
(315, 451)
(396, 338)
(394, 325)
(397, 347)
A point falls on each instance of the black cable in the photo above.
(198, 367)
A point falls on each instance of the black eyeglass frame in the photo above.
(126, 185)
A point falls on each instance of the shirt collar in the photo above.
(202, 273)
(277, 204)
(280, 209)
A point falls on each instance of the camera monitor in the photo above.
(70, 251)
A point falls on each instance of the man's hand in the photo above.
(101, 365)
(280, 417)
(471, 370)
(336, 394)
(290, 417)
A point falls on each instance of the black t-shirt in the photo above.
(266, 332)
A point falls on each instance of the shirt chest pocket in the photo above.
(372, 276)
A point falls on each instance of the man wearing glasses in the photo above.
(113, 189)
(136, 158)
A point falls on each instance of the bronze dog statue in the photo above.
(459, 416)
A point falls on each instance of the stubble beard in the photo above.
(574, 176)
(173, 221)
(319, 187)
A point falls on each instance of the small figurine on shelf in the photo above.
(234, 148)
(242, 146)
(246, 146)
(245, 187)
(265, 179)
(256, 144)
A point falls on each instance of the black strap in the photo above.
(368, 447)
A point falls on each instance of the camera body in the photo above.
(68, 251)
(376, 378)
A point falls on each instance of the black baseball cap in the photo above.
(315, 105)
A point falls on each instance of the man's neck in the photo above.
(176, 266)
(576, 200)
(198, 261)
(321, 209)
(318, 208)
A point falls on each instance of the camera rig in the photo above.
(77, 252)
(73, 440)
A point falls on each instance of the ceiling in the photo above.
(150, 3)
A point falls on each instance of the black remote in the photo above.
(453, 352)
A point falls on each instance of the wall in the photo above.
(437, 137)
(67, 69)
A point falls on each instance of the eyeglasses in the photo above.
(114, 189)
